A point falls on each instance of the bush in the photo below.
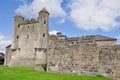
(44, 66)
(99, 75)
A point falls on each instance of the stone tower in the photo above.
(30, 40)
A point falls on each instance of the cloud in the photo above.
(32, 9)
(61, 20)
(4, 41)
(95, 14)
(54, 32)
(85, 14)
(118, 39)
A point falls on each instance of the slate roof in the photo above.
(101, 37)
(44, 10)
(8, 46)
(97, 38)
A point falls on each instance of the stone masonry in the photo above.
(83, 58)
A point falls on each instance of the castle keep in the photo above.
(29, 42)
(86, 55)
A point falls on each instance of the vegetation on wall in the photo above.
(44, 66)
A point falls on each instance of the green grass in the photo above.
(27, 73)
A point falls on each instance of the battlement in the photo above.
(31, 21)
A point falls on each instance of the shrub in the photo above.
(44, 66)
(99, 75)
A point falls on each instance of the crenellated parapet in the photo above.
(31, 21)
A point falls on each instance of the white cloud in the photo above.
(86, 14)
(95, 14)
(62, 20)
(32, 9)
(4, 41)
(118, 38)
(54, 32)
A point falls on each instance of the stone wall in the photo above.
(8, 55)
(87, 59)
(104, 43)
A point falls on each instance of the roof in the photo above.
(96, 37)
(8, 46)
(101, 37)
(44, 10)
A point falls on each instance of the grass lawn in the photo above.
(27, 73)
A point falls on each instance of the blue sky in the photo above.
(71, 17)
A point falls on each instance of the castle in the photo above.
(87, 55)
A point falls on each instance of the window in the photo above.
(19, 49)
(43, 34)
(27, 37)
(28, 26)
(44, 22)
(17, 37)
(18, 26)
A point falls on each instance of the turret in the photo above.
(18, 19)
(44, 10)
(43, 16)
(42, 49)
(43, 34)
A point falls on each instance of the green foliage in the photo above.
(99, 75)
(44, 66)
(27, 73)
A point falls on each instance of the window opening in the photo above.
(44, 35)
(18, 26)
(17, 37)
(27, 37)
(44, 22)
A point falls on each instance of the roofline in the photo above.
(8, 46)
(108, 40)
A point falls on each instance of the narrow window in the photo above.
(44, 22)
(17, 37)
(27, 37)
(72, 42)
(18, 26)
(28, 26)
(44, 35)
(19, 49)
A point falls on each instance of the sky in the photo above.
(73, 18)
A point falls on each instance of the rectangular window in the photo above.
(43, 34)
(44, 22)
(18, 26)
(17, 37)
